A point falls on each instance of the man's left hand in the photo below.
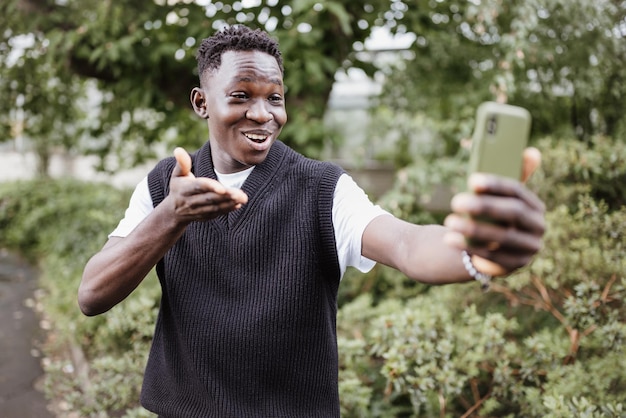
(514, 232)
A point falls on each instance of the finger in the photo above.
(210, 202)
(183, 161)
(499, 249)
(500, 209)
(493, 237)
(485, 184)
(211, 189)
(457, 240)
(207, 206)
(506, 261)
(230, 200)
(532, 161)
(207, 185)
(238, 195)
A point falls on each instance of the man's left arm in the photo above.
(434, 254)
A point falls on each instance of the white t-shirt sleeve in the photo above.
(139, 207)
(352, 212)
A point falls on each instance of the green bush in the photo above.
(64, 218)
(94, 366)
(572, 168)
(547, 341)
(455, 349)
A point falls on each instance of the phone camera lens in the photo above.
(492, 124)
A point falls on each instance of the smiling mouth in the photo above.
(258, 138)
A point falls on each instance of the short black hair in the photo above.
(235, 38)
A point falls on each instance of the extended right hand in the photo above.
(200, 198)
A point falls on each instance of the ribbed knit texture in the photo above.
(247, 325)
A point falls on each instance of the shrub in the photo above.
(455, 350)
(573, 168)
(547, 341)
(94, 366)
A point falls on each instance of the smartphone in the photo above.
(498, 142)
(499, 138)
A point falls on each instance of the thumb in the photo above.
(532, 161)
(183, 163)
(487, 266)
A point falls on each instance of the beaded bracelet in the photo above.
(483, 278)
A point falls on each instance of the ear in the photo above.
(199, 103)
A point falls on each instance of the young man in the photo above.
(250, 246)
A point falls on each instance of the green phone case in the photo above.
(498, 142)
(499, 139)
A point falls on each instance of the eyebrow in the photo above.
(276, 81)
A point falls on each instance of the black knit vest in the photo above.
(247, 324)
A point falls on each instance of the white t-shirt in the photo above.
(352, 212)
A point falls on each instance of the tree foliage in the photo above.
(563, 60)
(114, 77)
(139, 59)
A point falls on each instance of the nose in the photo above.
(259, 112)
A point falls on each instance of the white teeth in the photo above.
(256, 137)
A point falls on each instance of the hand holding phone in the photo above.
(498, 142)
(499, 150)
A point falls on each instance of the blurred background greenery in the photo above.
(112, 79)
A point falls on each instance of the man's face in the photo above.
(245, 106)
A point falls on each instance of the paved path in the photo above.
(20, 370)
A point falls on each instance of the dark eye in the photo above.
(277, 99)
(239, 96)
